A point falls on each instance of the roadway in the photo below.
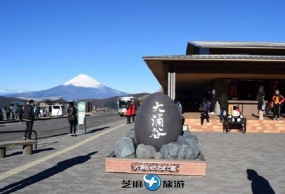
(56, 126)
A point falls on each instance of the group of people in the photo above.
(275, 105)
(26, 113)
(16, 111)
(131, 112)
(29, 114)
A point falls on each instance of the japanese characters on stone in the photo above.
(157, 121)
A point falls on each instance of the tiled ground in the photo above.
(82, 169)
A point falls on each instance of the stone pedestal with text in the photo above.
(152, 166)
(157, 144)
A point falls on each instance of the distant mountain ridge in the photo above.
(80, 87)
(98, 103)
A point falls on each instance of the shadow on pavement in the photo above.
(41, 145)
(34, 152)
(98, 129)
(53, 135)
(60, 167)
(259, 184)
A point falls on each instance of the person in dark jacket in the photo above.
(261, 106)
(29, 117)
(72, 119)
(204, 108)
(8, 112)
(20, 112)
(223, 101)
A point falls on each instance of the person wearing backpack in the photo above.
(204, 108)
(72, 119)
(29, 117)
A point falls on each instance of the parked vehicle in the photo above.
(56, 110)
(122, 104)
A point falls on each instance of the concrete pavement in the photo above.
(67, 164)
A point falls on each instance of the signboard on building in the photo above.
(231, 107)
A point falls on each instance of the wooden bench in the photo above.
(27, 146)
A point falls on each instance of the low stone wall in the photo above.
(252, 126)
(153, 166)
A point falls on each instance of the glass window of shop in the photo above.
(249, 89)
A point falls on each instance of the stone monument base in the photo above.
(154, 166)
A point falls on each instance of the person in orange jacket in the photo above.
(133, 110)
(277, 99)
(128, 113)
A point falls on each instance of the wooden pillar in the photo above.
(171, 83)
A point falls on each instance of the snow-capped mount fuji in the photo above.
(83, 80)
(79, 87)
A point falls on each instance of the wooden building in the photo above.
(239, 69)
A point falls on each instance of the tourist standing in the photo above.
(44, 111)
(50, 111)
(37, 112)
(14, 111)
(277, 99)
(8, 112)
(72, 119)
(223, 101)
(204, 108)
(29, 117)
(20, 112)
(261, 106)
(128, 113)
(133, 110)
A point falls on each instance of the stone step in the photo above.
(252, 126)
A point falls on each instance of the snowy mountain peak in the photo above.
(83, 80)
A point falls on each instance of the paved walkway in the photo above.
(67, 164)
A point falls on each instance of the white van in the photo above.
(56, 110)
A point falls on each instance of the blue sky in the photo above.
(44, 43)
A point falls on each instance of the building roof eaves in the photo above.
(217, 57)
(221, 44)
